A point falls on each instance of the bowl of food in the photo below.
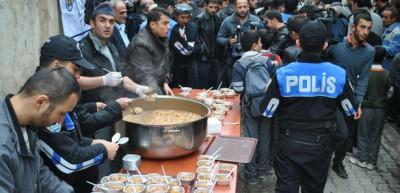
(118, 178)
(134, 188)
(176, 189)
(174, 182)
(157, 188)
(203, 190)
(223, 179)
(218, 94)
(205, 157)
(160, 180)
(207, 163)
(225, 168)
(169, 127)
(185, 177)
(204, 184)
(113, 187)
(204, 177)
(230, 94)
(137, 179)
(203, 169)
(151, 175)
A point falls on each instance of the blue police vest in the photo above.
(299, 79)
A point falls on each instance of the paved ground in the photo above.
(386, 179)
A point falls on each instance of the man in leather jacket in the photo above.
(273, 19)
(294, 25)
(208, 23)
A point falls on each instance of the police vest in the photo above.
(299, 79)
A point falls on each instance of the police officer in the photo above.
(303, 97)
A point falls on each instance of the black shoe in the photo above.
(340, 171)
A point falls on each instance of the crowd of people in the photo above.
(317, 79)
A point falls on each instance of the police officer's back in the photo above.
(303, 96)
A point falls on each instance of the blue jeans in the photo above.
(370, 128)
(260, 128)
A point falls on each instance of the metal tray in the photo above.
(234, 149)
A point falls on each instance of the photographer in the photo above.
(227, 36)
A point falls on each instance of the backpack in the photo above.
(257, 74)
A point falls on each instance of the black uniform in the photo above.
(71, 156)
(303, 96)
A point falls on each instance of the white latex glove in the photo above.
(112, 79)
(142, 90)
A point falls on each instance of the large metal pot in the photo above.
(167, 141)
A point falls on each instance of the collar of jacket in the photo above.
(96, 41)
(392, 26)
(161, 41)
(310, 57)
(22, 149)
(249, 53)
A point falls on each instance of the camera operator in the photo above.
(228, 37)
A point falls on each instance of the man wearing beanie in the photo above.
(303, 97)
(99, 51)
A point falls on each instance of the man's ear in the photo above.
(298, 43)
(326, 44)
(92, 22)
(42, 102)
(353, 27)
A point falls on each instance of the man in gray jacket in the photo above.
(43, 100)
(148, 61)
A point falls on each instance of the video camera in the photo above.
(237, 50)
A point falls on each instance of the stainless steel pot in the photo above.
(167, 141)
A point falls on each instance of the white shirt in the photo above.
(121, 30)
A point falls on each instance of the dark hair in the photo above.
(271, 14)
(393, 10)
(155, 15)
(363, 3)
(296, 22)
(248, 38)
(364, 16)
(361, 14)
(290, 6)
(266, 35)
(395, 3)
(313, 36)
(57, 83)
(165, 3)
(273, 4)
(219, 2)
(379, 54)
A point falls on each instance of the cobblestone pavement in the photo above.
(386, 179)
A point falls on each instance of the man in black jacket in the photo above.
(99, 51)
(148, 61)
(208, 23)
(76, 155)
(182, 42)
(304, 97)
(273, 19)
(120, 37)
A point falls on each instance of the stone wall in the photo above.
(25, 25)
